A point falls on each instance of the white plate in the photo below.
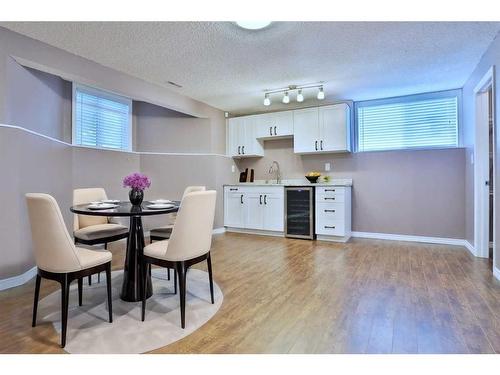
(114, 201)
(101, 206)
(161, 201)
(159, 206)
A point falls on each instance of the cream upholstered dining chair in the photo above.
(163, 233)
(57, 258)
(94, 230)
(189, 244)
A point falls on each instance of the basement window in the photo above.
(101, 119)
(410, 122)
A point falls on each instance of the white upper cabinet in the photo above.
(323, 129)
(314, 130)
(335, 128)
(242, 140)
(306, 130)
(274, 125)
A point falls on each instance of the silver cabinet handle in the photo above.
(270, 130)
(275, 131)
(329, 227)
(321, 145)
(241, 199)
(329, 210)
(260, 199)
(233, 189)
(331, 199)
(265, 199)
(333, 190)
(239, 147)
(316, 145)
(243, 150)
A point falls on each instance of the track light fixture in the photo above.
(286, 93)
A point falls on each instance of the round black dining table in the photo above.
(131, 287)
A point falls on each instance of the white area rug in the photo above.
(90, 332)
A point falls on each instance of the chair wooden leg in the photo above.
(35, 301)
(175, 281)
(210, 279)
(64, 309)
(144, 276)
(168, 273)
(90, 279)
(108, 286)
(181, 272)
(80, 291)
(98, 277)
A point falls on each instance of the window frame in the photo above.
(106, 95)
(406, 99)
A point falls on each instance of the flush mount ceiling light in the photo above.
(253, 25)
(286, 93)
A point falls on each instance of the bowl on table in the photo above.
(313, 177)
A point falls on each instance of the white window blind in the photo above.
(101, 119)
(419, 121)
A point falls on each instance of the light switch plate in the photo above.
(233, 168)
(327, 167)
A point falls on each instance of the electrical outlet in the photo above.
(327, 167)
(233, 168)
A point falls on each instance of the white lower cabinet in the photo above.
(333, 213)
(254, 207)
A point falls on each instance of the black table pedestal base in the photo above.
(132, 273)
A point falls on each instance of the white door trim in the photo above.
(481, 166)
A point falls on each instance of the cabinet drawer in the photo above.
(330, 227)
(330, 211)
(328, 190)
(330, 198)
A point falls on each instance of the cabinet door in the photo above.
(234, 209)
(264, 125)
(274, 212)
(234, 136)
(335, 128)
(283, 124)
(249, 143)
(253, 210)
(306, 130)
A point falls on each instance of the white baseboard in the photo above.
(255, 231)
(496, 273)
(408, 238)
(219, 230)
(469, 247)
(14, 281)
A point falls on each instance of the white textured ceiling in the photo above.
(229, 68)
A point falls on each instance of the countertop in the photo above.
(297, 182)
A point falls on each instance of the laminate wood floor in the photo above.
(295, 296)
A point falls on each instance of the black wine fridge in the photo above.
(299, 212)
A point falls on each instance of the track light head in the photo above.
(321, 94)
(286, 98)
(300, 97)
(267, 101)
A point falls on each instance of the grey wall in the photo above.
(398, 192)
(490, 58)
(38, 101)
(41, 102)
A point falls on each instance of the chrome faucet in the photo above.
(277, 171)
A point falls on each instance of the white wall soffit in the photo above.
(109, 149)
